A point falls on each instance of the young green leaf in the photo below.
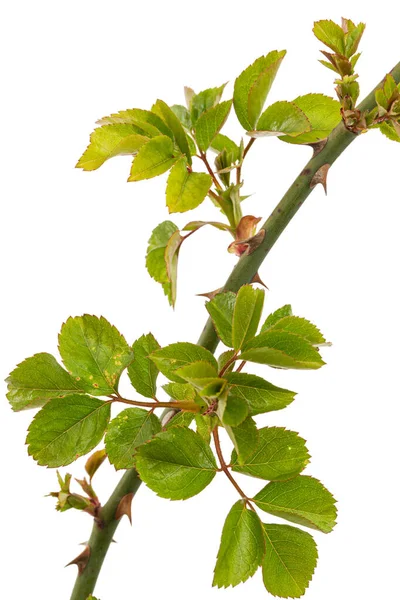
(147, 122)
(222, 142)
(242, 547)
(235, 412)
(176, 464)
(205, 100)
(130, 429)
(260, 395)
(301, 327)
(252, 88)
(155, 259)
(178, 355)
(330, 34)
(194, 225)
(221, 309)
(303, 500)
(280, 454)
(285, 311)
(183, 115)
(154, 158)
(323, 114)
(198, 373)
(142, 371)
(289, 561)
(37, 380)
(182, 392)
(162, 109)
(205, 424)
(186, 190)
(353, 38)
(282, 118)
(171, 262)
(282, 349)
(223, 359)
(390, 132)
(67, 428)
(181, 419)
(246, 315)
(94, 351)
(109, 141)
(210, 123)
(244, 438)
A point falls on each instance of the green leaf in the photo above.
(301, 327)
(223, 142)
(176, 464)
(282, 349)
(205, 100)
(183, 115)
(198, 373)
(282, 118)
(220, 309)
(155, 259)
(171, 262)
(130, 429)
(289, 561)
(186, 190)
(353, 38)
(210, 123)
(280, 454)
(38, 379)
(178, 355)
(246, 315)
(154, 158)
(260, 395)
(109, 141)
(252, 88)
(67, 428)
(145, 121)
(389, 131)
(182, 392)
(242, 547)
(303, 500)
(94, 351)
(330, 34)
(285, 311)
(142, 371)
(161, 109)
(205, 424)
(181, 419)
(194, 225)
(323, 114)
(232, 410)
(244, 438)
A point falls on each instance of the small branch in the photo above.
(239, 168)
(228, 364)
(203, 157)
(240, 367)
(153, 405)
(224, 468)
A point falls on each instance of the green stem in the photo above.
(243, 273)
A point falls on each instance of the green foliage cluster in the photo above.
(178, 455)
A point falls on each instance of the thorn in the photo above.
(81, 561)
(318, 146)
(257, 279)
(125, 508)
(320, 177)
(210, 295)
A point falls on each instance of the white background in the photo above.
(74, 242)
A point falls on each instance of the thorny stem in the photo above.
(225, 469)
(243, 273)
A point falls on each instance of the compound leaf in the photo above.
(323, 114)
(67, 428)
(39, 379)
(280, 454)
(289, 562)
(142, 371)
(130, 429)
(185, 189)
(242, 547)
(176, 464)
(94, 352)
(330, 34)
(154, 158)
(303, 500)
(162, 109)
